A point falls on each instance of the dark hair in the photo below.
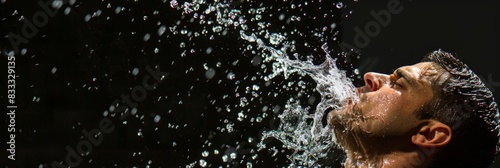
(467, 106)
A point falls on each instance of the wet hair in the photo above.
(467, 106)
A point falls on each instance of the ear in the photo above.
(432, 134)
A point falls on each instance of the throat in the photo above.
(360, 160)
(370, 152)
(392, 160)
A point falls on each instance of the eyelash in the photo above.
(395, 83)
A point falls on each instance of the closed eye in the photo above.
(395, 83)
(395, 78)
(399, 74)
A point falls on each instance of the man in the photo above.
(436, 113)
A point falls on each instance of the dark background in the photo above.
(55, 107)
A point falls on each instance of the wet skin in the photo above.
(382, 128)
(388, 102)
(385, 115)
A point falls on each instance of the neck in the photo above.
(392, 160)
(382, 153)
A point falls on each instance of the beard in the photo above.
(345, 118)
(344, 122)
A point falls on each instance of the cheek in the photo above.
(380, 112)
(382, 103)
(384, 124)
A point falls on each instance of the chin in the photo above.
(340, 120)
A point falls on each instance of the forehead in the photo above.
(426, 72)
(428, 68)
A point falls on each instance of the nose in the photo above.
(375, 81)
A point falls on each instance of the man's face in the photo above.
(388, 103)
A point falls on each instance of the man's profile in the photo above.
(436, 113)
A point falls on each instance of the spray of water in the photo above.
(269, 36)
(308, 139)
(300, 130)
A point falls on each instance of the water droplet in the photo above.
(67, 10)
(276, 109)
(157, 118)
(265, 108)
(135, 71)
(161, 30)
(233, 155)
(133, 111)
(204, 154)
(54, 70)
(241, 116)
(57, 4)
(339, 5)
(282, 16)
(208, 50)
(231, 76)
(217, 29)
(105, 113)
(210, 73)
(118, 9)
(146, 37)
(87, 17)
(311, 100)
(224, 158)
(256, 60)
(111, 108)
(203, 163)
(333, 25)
(174, 4)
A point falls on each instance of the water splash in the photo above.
(270, 35)
(300, 130)
(308, 139)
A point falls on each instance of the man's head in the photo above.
(438, 105)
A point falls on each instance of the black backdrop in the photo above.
(55, 107)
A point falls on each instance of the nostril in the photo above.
(371, 81)
(370, 84)
(373, 86)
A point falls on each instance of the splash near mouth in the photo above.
(308, 140)
(276, 52)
